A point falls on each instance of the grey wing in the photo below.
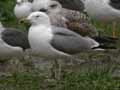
(68, 41)
(115, 4)
(16, 38)
(73, 5)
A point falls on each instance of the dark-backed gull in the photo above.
(13, 43)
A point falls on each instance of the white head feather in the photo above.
(38, 18)
(54, 7)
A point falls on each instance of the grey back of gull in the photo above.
(16, 38)
(68, 41)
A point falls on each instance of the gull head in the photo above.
(38, 18)
(54, 7)
(47, 6)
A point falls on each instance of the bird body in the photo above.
(39, 40)
(49, 40)
(12, 43)
(7, 51)
(101, 10)
(104, 10)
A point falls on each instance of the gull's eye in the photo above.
(37, 16)
(43, 10)
(53, 6)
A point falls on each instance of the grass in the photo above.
(20, 81)
(91, 80)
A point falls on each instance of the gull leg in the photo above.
(59, 69)
(114, 29)
(56, 69)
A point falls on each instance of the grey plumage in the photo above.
(69, 42)
(72, 4)
(16, 38)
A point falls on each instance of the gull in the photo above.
(22, 8)
(75, 20)
(54, 7)
(104, 10)
(13, 43)
(49, 41)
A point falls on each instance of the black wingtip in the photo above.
(105, 47)
(115, 4)
(106, 39)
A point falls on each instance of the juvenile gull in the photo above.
(22, 8)
(55, 7)
(13, 43)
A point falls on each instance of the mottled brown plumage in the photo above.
(73, 20)
(83, 29)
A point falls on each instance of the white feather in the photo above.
(101, 10)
